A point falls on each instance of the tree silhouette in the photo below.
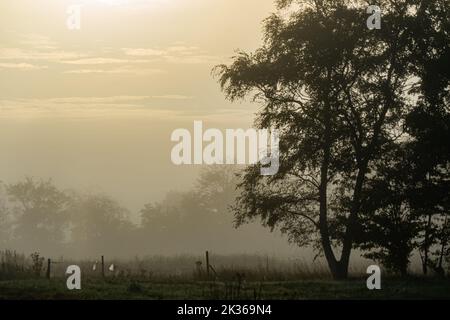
(389, 222)
(99, 225)
(339, 95)
(428, 128)
(40, 215)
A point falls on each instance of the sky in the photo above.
(94, 108)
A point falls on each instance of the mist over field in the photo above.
(129, 165)
(106, 132)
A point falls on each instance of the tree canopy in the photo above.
(340, 95)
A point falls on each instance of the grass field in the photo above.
(233, 277)
(413, 288)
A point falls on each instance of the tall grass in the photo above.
(175, 268)
(14, 265)
(192, 268)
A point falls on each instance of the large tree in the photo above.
(339, 94)
(40, 215)
(428, 126)
(99, 225)
(389, 223)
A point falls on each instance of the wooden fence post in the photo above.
(49, 263)
(103, 266)
(207, 264)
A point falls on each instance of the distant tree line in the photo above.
(37, 216)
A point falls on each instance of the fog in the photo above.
(128, 163)
(93, 110)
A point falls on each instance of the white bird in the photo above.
(111, 268)
(94, 267)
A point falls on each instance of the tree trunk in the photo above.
(325, 236)
(337, 270)
(426, 246)
(440, 269)
(404, 271)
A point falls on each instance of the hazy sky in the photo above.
(94, 108)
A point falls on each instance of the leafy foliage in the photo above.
(340, 95)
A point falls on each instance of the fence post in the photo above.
(103, 266)
(207, 264)
(49, 263)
